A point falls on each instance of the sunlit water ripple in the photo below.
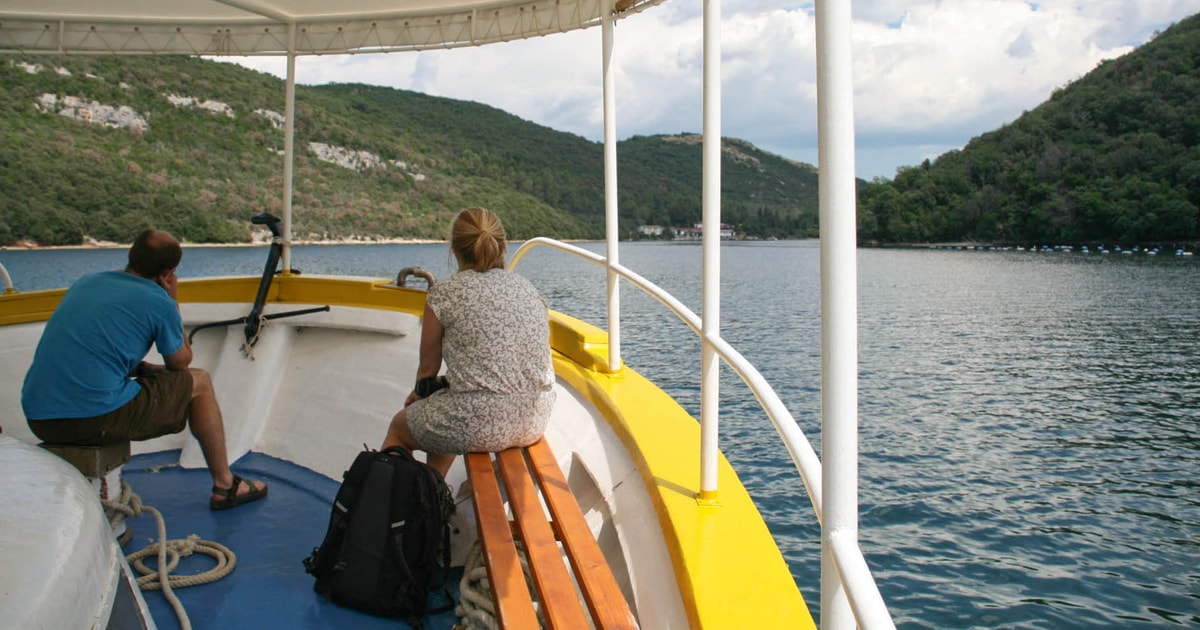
(1029, 422)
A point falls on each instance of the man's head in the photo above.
(154, 253)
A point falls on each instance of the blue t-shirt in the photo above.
(97, 336)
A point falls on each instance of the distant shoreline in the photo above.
(965, 245)
(110, 245)
(29, 246)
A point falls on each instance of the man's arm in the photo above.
(182, 358)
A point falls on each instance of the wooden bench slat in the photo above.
(560, 604)
(604, 597)
(530, 476)
(514, 606)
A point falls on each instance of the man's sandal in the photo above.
(232, 498)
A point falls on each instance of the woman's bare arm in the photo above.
(431, 345)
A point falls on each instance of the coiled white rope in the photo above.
(475, 606)
(130, 505)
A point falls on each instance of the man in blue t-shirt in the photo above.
(89, 385)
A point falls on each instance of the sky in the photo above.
(929, 75)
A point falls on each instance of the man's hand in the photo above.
(170, 283)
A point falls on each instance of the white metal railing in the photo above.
(856, 579)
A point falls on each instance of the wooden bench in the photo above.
(526, 472)
(93, 461)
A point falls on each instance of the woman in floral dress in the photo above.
(491, 328)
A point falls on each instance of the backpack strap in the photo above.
(444, 496)
(445, 573)
(397, 450)
(397, 538)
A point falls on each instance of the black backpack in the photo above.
(389, 522)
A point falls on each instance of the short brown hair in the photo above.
(478, 237)
(153, 252)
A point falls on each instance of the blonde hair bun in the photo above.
(477, 237)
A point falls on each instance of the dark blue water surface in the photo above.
(1029, 422)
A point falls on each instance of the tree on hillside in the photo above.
(1112, 157)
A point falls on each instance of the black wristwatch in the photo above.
(429, 384)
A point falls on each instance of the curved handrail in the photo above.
(800, 450)
(418, 272)
(8, 285)
(865, 598)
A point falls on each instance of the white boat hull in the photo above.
(316, 388)
(62, 565)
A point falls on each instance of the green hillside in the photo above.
(103, 147)
(761, 193)
(1112, 158)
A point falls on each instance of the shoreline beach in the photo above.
(110, 245)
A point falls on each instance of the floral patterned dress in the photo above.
(496, 348)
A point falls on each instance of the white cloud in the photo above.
(929, 74)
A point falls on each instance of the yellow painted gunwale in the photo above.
(729, 570)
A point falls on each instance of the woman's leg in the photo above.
(440, 463)
(398, 434)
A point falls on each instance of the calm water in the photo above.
(1030, 422)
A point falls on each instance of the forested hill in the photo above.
(102, 147)
(1112, 158)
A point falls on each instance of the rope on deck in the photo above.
(130, 504)
(475, 604)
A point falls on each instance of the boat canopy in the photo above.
(261, 27)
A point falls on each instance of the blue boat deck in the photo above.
(268, 588)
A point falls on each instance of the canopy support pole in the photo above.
(612, 233)
(839, 307)
(289, 147)
(710, 361)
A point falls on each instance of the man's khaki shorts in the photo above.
(160, 408)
